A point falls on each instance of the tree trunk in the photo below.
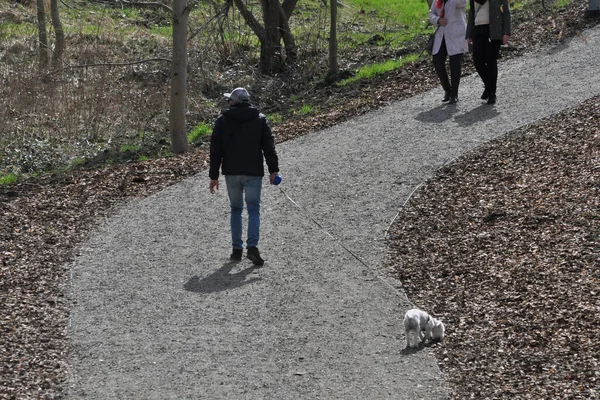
(42, 35)
(270, 57)
(276, 27)
(333, 60)
(289, 6)
(179, 142)
(59, 47)
(291, 50)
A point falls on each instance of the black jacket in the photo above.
(240, 139)
(499, 19)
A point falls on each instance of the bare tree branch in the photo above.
(67, 5)
(251, 21)
(221, 12)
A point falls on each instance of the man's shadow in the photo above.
(221, 279)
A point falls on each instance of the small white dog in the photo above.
(417, 322)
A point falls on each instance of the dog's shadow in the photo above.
(221, 279)
(423, 345)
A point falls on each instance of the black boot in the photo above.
(253, 255)
(236, 255)
(492, 98)
(446, 96)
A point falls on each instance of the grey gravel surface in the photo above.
(159, 313)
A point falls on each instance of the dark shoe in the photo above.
(236, 255)
(453, 100)
(446, 97)
(254, 256)
(491, 99)
(485, 95)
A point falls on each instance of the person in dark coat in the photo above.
(241, 138)
(488, 28)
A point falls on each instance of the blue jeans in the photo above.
(237, 185)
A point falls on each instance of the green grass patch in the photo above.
(561, 4)
(405, 12)
(72, 165)
(517, 5)
(129, 147)
(306, 110)
(12, 30)
(275, 118)
(199, 131)
(163, 31)
(129, 13)
(76, 162)
(369, 71)
(397, 22)
(7, 179)
(94, 20)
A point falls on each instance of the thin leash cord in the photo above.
(360, 260)
(411, 195)
(399, 211)
(372, 270)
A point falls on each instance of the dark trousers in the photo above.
(439, 63)
(485, 56)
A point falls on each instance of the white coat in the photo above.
(454, 32)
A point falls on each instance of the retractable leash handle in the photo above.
(277, 180)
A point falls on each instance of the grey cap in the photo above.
(239, 95)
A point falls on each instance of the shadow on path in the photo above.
(221, 279)
(438, 114)
(445, 113)
(422, 346)
(478, 114)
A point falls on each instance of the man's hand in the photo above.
(443, 21)
(505, 39)
(214, 185)
(272, 176)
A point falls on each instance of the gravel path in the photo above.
(160, 314)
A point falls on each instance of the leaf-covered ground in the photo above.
(504, 245)
(507, 238)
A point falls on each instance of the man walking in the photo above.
(240, 139)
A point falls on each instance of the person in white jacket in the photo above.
(450, 42)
